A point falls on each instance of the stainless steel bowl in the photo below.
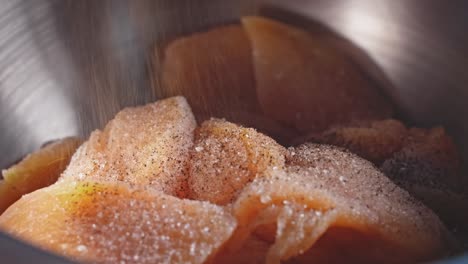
(66, 67)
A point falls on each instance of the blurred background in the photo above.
(66, 67)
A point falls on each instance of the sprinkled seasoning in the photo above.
(112, 223)
(120, 199)
(147, 145)
(313, 195)
(232, 156)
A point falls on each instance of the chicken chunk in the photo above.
(147, 145)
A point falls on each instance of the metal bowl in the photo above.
(66, 67)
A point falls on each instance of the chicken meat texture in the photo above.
(425, 162)
(296, 205)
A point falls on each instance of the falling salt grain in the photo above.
(81, 176)
(199, 148)
(192, 249)
(265, 199)
(342, 179)
(81, 248)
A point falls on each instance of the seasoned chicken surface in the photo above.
(37, 170)
(425, 162)
(147, 146)
(121, 199)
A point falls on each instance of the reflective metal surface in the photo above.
(67, 66)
